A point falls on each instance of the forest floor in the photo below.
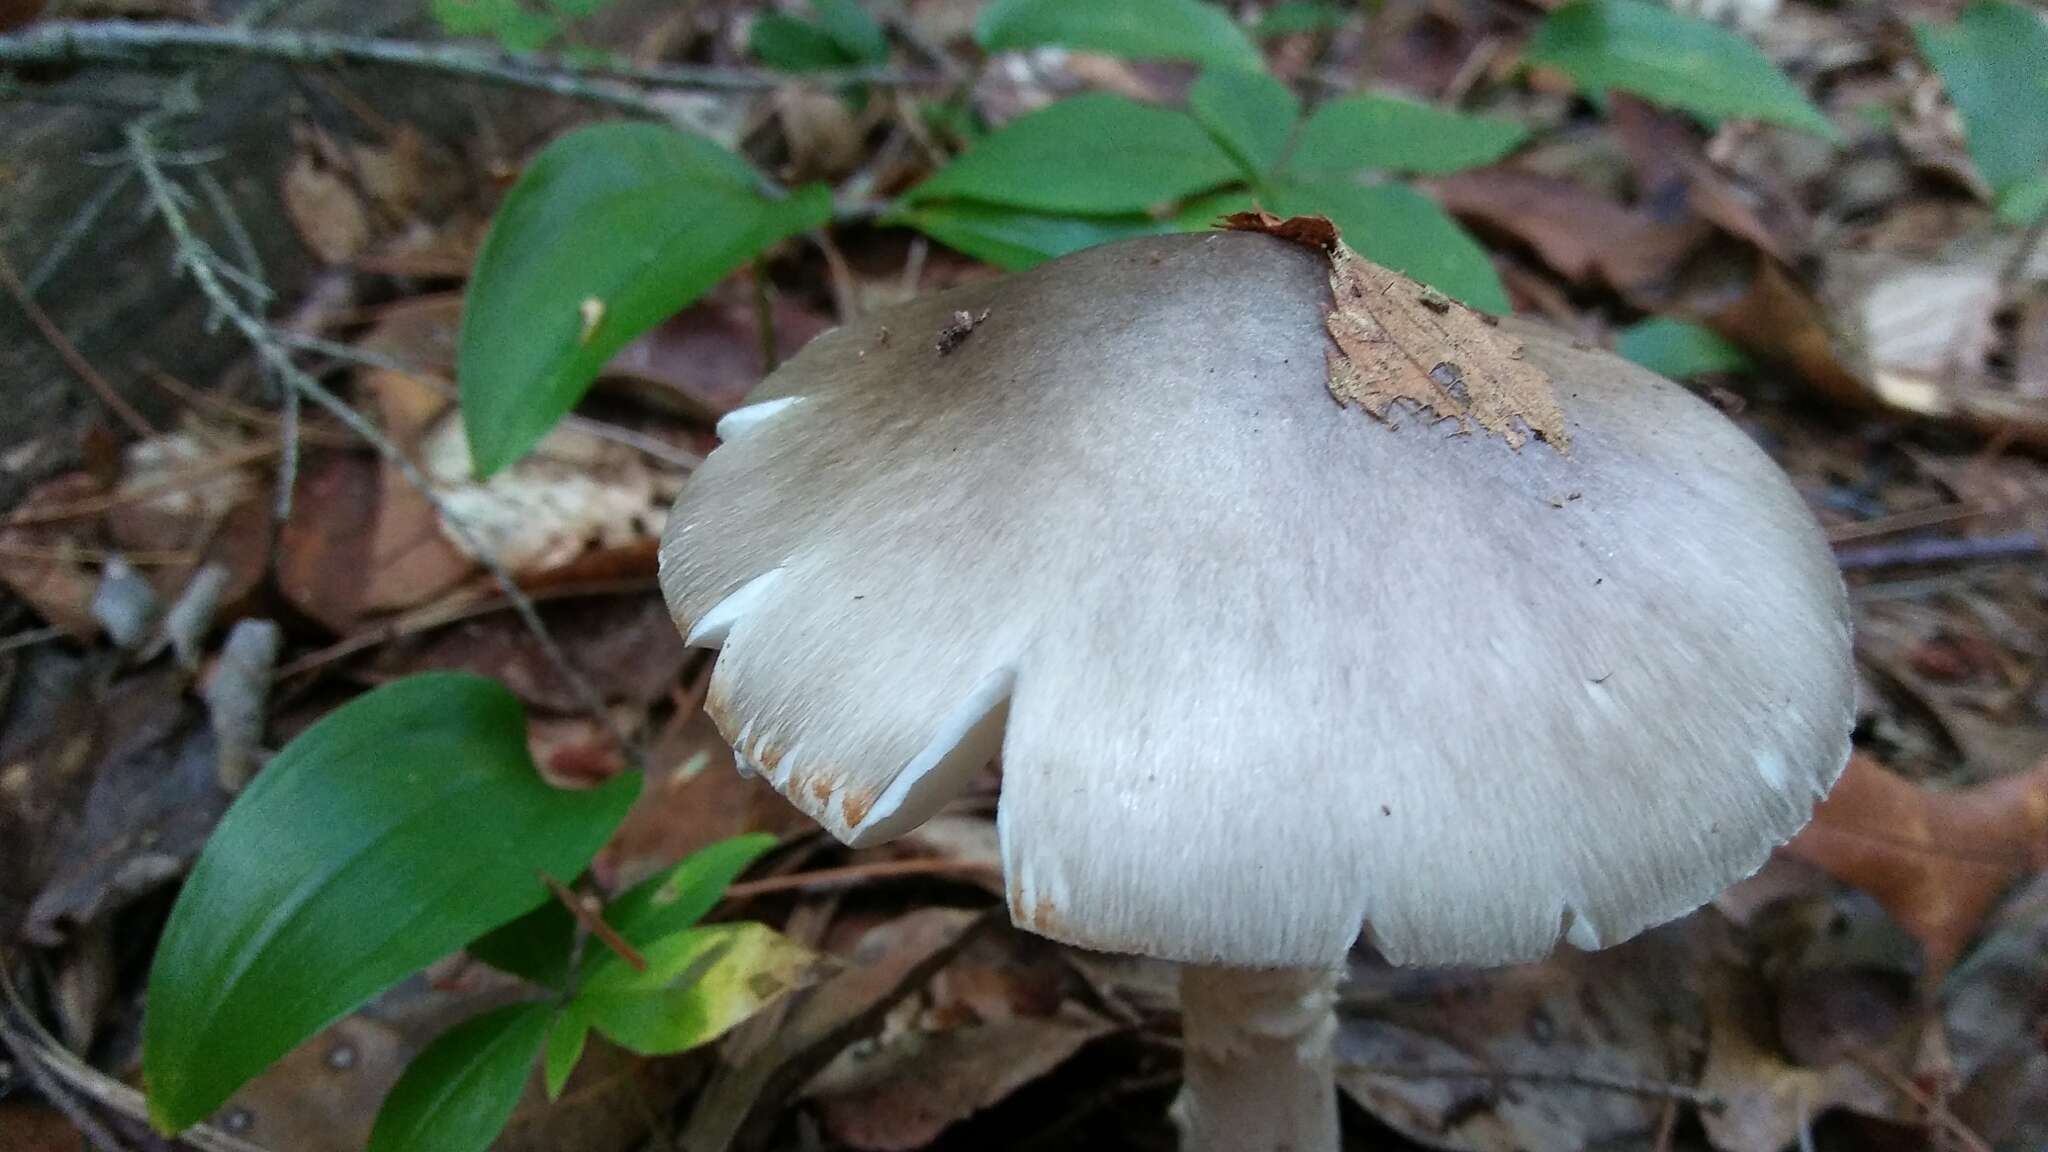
(1881, 984)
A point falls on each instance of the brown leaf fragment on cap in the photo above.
(1400, 340)
(958, 329)
(1316, 232)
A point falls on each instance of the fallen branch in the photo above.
(144, 45)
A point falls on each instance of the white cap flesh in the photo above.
(1263, 669)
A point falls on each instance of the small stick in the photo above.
(855, 873)
(1649, 1089)
(1940, 550)
(69, 353)
(594, 923)
(170, 482)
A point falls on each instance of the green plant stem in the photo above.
(197, 260)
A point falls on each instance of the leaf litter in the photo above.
(1884, 975)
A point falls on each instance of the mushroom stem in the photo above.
(1261, 1072)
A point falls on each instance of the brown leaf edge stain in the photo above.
(1398, 341)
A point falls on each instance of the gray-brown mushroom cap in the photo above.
(1263, 669)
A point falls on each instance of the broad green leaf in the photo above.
(578, 9)
(1138, 29)
(1202, 213)
(1679, 349)
(853, 30)
(792, 45)
(393, 832)
(1095, 154)
(535, 946)
(2025, 202)
(1670, 58)
(1994, 62)
(1394, 225)
(1380, 132)
(611, 230)
(697, 984)
(566, 1041)
(1300, 16)
(664, 905)
(1250, 113)
(507, 21)
(1014, 240)
(457, 1095)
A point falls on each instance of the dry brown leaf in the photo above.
(1625, 1015)
(902, 1097)
(1397, 341)
(35, 1127)
(43, 563)
(325, 209)
(1578, 232)
(324, 1095)
(1937, 861)
(1766, 1101)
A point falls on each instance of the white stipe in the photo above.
(739, 421)
(711, 629)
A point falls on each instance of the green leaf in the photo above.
(457, 1095)
(1096, 154)
(1679, 349)
(1671, 59)
(1138, 29)
(1201, 213)
(853, 30)
(792, 45)
(1394, 225)
(535, 946)
(1014, 240)
(1250, 113)
(630, 221)
(508, 22)
(664, 905)
(1380, 132)
(1300, 16)
(1994, 62)
(357, 857)
(697, 984)
(2025, 202)
(566, 1041)
(578, 9)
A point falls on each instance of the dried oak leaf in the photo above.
(1937, 861)
(1399, 341)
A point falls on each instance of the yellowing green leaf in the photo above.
(697, 984)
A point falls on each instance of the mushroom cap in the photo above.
(1263, 670)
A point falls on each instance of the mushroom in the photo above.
(1300, 602)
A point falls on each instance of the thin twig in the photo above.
(199, 262)
(69, 353)
(1937, 1112)
(594, 923)
(1648, 1089)
(825, 878)
(1940, 550)
(77, 229)
(764, 319)
(138, 44)
(649, 446)
(450, 609)
(169, 482)
(30, 638)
